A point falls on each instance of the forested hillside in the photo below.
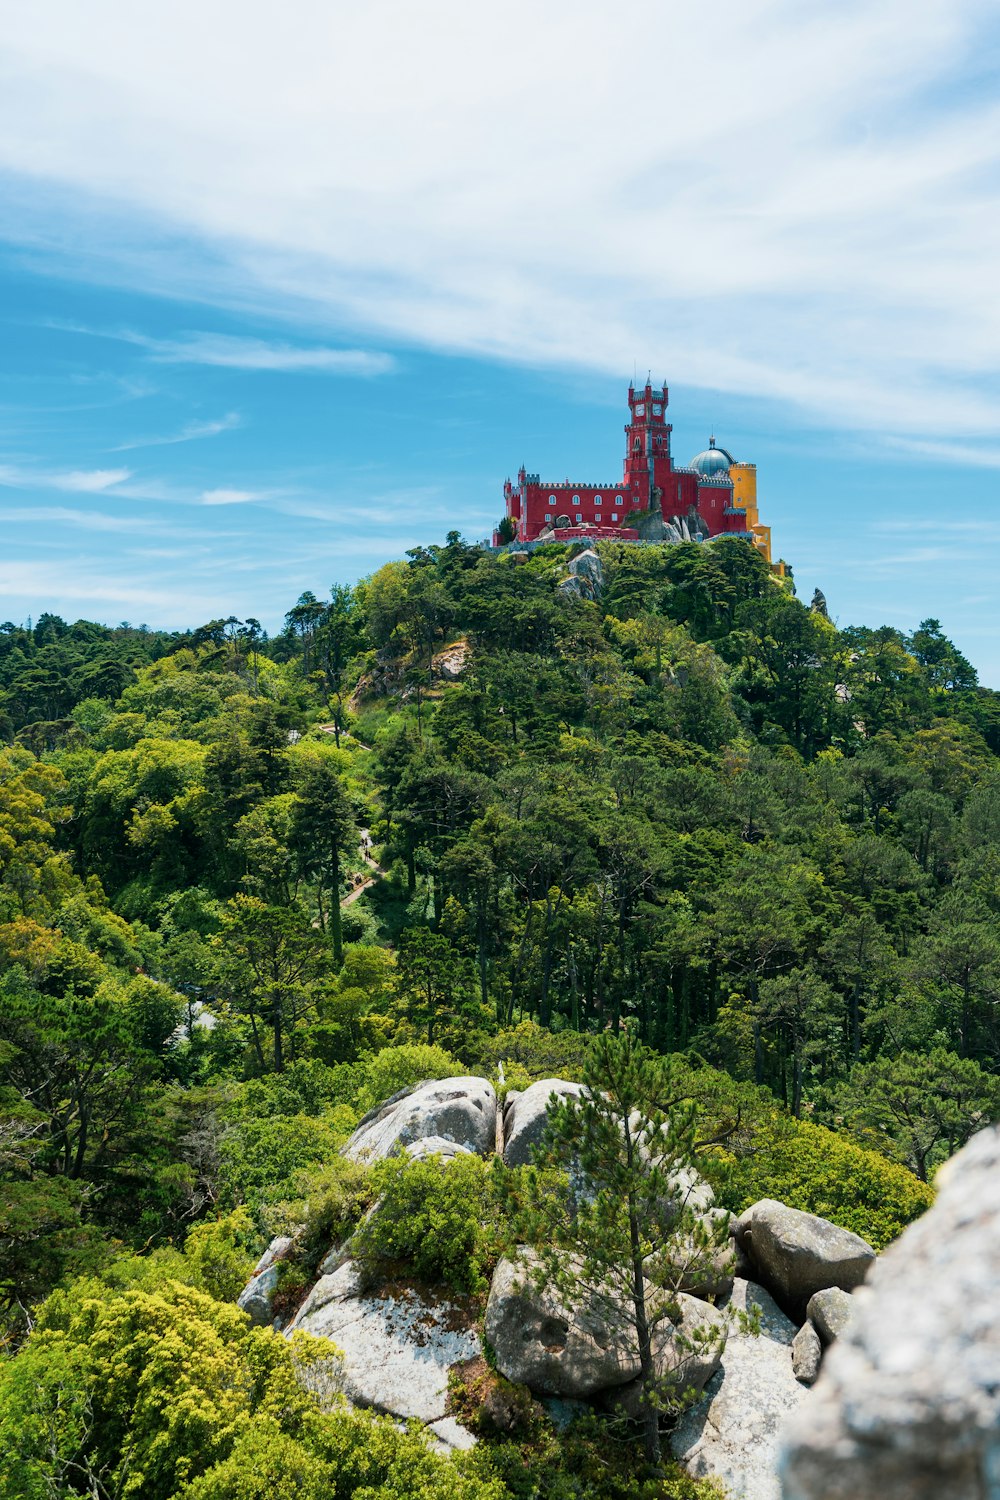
(691, 806)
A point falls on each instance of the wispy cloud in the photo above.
(824, 235)
(236, 352)
(85, 520)
(189, 433)
(224, 496)
(76, 481)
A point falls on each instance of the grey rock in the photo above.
(908, 1404)
(587, 565)
(704, 1273)
(462, 1111)
(830, 1312)
(395, 1348)
(436, 1145)
(796, 1254)
(451, 1436)
(257, 1297)
(731, 1434)
(525, 1114)
(276, 1250)
(554, 1349)
(677, 1369)
(807, 1354)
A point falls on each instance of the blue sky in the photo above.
(285, 290)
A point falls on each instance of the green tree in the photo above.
(433, 979)
(322, 829)
(918, 1108)
(269, 958)
(624, 1233)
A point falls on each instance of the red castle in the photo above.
(712, 496)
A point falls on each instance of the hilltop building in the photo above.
(655, 499)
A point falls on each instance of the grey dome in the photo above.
(713, 461)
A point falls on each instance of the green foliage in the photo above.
(621, 1229)
(329, 1202)
(221, 1255)
(160, 1392)
(809, 1167)
(443, 1221)
(393, 1069)
(695, 809)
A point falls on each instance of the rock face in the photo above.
(796, 1254)
(462, 1111)
(908, 1404)
(397, 1347)
(556, 1350)
(732, 1433)
(257, 1297)
(524, 1117)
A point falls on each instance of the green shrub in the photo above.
(809, 1167)
(442, 1221)
(222, 1253)
(396, 1068)
(260, 1156)
(329, 1203)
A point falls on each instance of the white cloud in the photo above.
(797, 202)
(89, 481)
(77, 481)
(187, 434)
(230, 497)
(235, 352)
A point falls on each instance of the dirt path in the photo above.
(373, 864)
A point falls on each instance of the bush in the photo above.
(442, 1221)
(809, 1167)
(330, 1202)
(221, 1254)
(397, 1068)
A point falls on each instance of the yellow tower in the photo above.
(744, 477)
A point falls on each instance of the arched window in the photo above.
(598, 499)
(576, 501)
(552, 499)
(619, 499)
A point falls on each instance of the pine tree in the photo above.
(625, 1233)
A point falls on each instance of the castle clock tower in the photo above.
(648, 465)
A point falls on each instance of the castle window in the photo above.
(619, 499)
(579, 517)
(576, 501)
(597, 516)
(598, 499)
(548, 517)
(552, 501)
(614, 515)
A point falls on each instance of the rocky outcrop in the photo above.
(796, 1254)
(448, 664)
(908, 1404)
(524, 1116)
(538, 1340)
(461, 1111)
(257, 1297)
(731, 1434)
(396, 1346)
